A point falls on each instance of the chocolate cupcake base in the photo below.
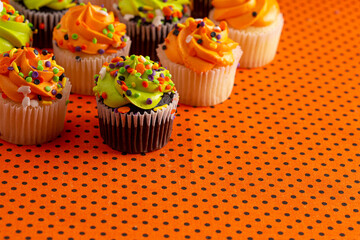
(200, 8)
(136, 133)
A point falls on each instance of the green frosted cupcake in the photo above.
(137, 102)
(45, 14)
(15, 30)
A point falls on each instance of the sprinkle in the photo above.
(104, 95)
(47, 88)
(94, 40)
(188, 39)
(213, 45)
(145, 84)
(48, 64)
(151, 77)
(101, 51)
(53, 92)
(122, 70)
(36, 81)
(102, 72)
(28, 79)
(59, 96)
(110, 35)
(58, 26)
(136, 95)
(74, 36)
(254, 14)
(34, 74)
(105, 31)
(160, 108)
(133, 84)
(176, 32)
(111, 28)
(148, 101)
(56, 70)
(21, 74)
(199, 41)
(164, 47)
(218, 37)
(45, 52)
(123, 110)
(128, 92)
(55, 78)
(197, 36)
(46, 102)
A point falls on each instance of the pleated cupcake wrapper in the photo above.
(82, 71)
(145, 39)
(136, 133)
(108, 4)
(43, 39)
(200, 8)
(202, 89)
(32, 125)
(260, 46)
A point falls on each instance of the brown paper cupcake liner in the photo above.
(81, 67)
(44, 22)
(136, 133)
(259, 44)
(32, 125)
(202, 89)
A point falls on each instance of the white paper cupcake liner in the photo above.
(43, 39)
(258, 43)
(137, 133)
(108, 4)
(202, 89)
(146, 38)
(32, 125)
(81, 71)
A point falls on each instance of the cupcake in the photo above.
(200, 8)
(108, 4)
(149, 22)
(15, 30)
(33, 96)
(87, 37)
(255, 25)
(137, 102)
(44, 15)
(203, 61)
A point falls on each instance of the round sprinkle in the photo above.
(36, 81)
(213, 34)
(45, 52)
(94, 40)
(254, 14)
(105, 31)
(128, 92)
(36, 52)
(101, 51)
(53, 92)
(110, 35)
(34, 74)
(74, 36)
(138, 74)
(59, 96)
(56, 78)
(148, 101)
(199, 41)
(56, 70)
(122, 70)
(40, 68)
(149, 71)
(47, 88)
(145, 84)
(137, 95)
(164, 47)
(48, 64)
(28, 79)
(132, 57)
(111, 28)
(21, 74)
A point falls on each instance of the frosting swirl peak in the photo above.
(200, 45)
(90, 29)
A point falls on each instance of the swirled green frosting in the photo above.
(15, 31)
(53, 4)
(135, 79)
(148, 10)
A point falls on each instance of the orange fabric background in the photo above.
(279, 160)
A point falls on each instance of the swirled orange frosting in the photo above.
(90, 29)
(29, 68)
(244, 13)
(200, 45)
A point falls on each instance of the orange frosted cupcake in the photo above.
(202, 60)
(33, 96)
(256, 25)
(87, 37)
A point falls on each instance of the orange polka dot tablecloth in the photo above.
(278, 160)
